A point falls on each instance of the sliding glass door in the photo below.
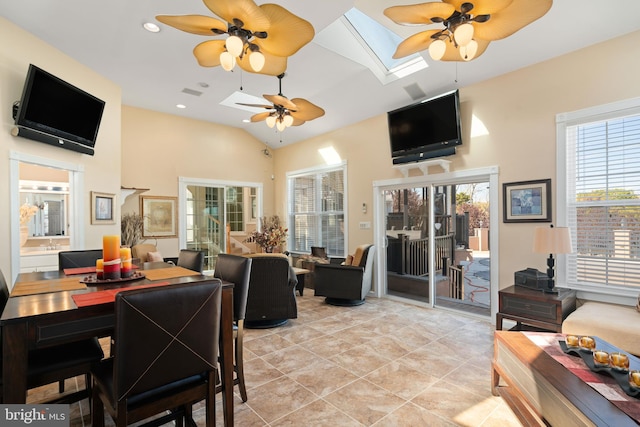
(435, 235)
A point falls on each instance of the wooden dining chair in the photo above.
(237, 270)
(56, 364)
(162, 362)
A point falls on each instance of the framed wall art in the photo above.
(160, 216)
(103, 207)
(527, 201)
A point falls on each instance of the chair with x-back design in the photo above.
(162, 362)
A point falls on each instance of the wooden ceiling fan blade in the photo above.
(247, 11)
(194, 24)
(519, 14)
(453, 54)
(481, 7)
(414, 43)
(306, 110)
(297, 122)
(419, 14)
(260, 116)
(281, 100)
(208, 53)
(273, 65)
(288, 33)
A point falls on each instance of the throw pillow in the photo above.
(154, 257)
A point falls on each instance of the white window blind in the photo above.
(316, 211)
(603, 202)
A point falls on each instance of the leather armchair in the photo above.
(271, 300)
(346, 285)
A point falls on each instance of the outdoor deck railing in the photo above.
(406, 256)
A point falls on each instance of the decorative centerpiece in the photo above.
(27, 212)
(271, 234)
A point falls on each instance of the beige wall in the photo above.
(518, 109)
(101, 172)
(158, 148)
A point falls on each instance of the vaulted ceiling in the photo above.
(158, 71)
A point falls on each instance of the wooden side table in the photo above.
(534, 308)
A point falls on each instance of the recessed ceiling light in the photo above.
(246, 121)
(151, 27)
(182, 106)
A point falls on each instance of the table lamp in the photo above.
(552, 240)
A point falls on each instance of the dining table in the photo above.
(55, 307)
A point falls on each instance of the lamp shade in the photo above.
(552, 240)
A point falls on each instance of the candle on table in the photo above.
(110, 247)
(125, 257)
(99, 269)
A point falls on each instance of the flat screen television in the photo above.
(428, 129)
(56, 112)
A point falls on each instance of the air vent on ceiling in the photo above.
(191, 92)
(414, 91)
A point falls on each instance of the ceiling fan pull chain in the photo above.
(241, 80)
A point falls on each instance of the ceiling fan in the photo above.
(469, 27)
(285, 112)
(260, 38)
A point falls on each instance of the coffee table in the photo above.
(542, 392)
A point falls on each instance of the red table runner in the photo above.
(602, 383)
(108, 295)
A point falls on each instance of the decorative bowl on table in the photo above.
(600, 358)
(634, 379)
(572, 341)
(587, 343)
(619, 361)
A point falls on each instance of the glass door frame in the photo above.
(488, 174)
(203, 182)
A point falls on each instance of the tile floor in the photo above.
(384, 363)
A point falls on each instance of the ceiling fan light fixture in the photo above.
(469, 51)
(287, 120)
(235, 45)
(227, 61)
(437, 49)
(280, 125)
(270, 121)
(463, 34)
(256, 60)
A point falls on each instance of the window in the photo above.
(599, 157)
(316, 210)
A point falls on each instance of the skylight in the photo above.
(379, 39)
(362, 39)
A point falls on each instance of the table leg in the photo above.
(14, 367)
(226, 361)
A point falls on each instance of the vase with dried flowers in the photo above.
(271, 234)
(27, 212)
(131, 229)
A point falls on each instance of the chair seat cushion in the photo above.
(64, 356)
(103, 376)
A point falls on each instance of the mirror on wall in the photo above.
(46, 207)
